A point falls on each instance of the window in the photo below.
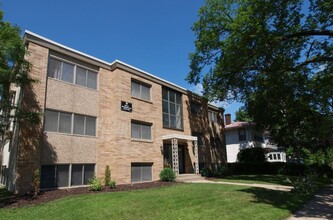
(140, 130)
(212, 116)
(257, 136)
(196, 108)
(172, 109)
(62, 122)
(241, 134)
(53, 176)
(68, 72)
(141, 172)
(140, 90)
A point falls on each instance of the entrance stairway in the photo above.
(189, 178)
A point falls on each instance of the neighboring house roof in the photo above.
(239, 124)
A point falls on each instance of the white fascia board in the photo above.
(179, 136)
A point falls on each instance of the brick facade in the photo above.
(112, 144)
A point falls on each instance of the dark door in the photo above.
(181, 159)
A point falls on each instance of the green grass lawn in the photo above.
(181, 201)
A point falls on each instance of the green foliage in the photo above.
(206, 172)
(107, 176)
(268, 55)
(95, 184)
(218, 172)
(304, 186)
(167, 175)
(112, 184)
(243, 115)
(251, 155)
(36, 182)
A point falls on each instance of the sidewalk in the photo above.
(321, 207)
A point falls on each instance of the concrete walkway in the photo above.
(321, 207)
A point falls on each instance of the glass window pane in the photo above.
(78, 124)
(47, 177)
(135, 89)
(77, 175)
(178, 110)
(65, 122)
(92, 80)
(172, 109)
(146, 172)
(165, 94)
(51, 120)
(135, 173)
(178, 122)
(81, 76)
(172, 96)
(166, 120)
(165, 106)
(146, 132)
(145, 92)
(67, 72)
(89, 172)
(54, 68)
(90, 126)
(136, 131)
(62, 175)
(178, 98)
(172, 121)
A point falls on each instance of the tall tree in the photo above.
(243, 115)
(276, 57)
(13, 72)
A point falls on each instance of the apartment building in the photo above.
(96, 113)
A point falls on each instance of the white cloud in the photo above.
(198, 89)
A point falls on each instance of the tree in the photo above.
(276, 57)
(13, 71)
(242, 115)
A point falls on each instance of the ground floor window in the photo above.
(64, 175)
(141, 172)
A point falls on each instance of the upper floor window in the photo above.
(172, 109)
(241, 134)
(212, 116)
(140, 90)
(72, 73)
(196, 108)
(70, 123)
(140, 130)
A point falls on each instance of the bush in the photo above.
(36, 182)
(304, 186)
(95, 184)
(218, 172)
(112, 184)
(167, 175)
(107, 176)
(206, 172)
(251, 155)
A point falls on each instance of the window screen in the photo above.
(90, 126)
(54, 69)
(48, 175)
(141, 172)
(67, 72)
(141, 130)
(62, 175)
(140, 90)
(79, 124)
(92, 80)
(89, 172)
(77, 171)
(51, 120)
(65, 122)
(81, 76)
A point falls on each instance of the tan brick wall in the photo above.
(30, 134)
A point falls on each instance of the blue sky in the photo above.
(154, 36)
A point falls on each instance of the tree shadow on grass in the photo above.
(272, 179)
(320, 206)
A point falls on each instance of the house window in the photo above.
(53, 176)
(196, 109)
(212, 116)
(141, 172)
(257, 136)
(68, 72)
(140, 90)
(62, 122)
(241, 134)
(172, 109)
(141, 130)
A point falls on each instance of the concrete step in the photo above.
(189, 178)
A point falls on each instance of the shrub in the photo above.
(95, 184)
(107, 176)
(167, 175)
(304, 186)
(112, 184)
(221, 171)
(251, 155)
(206, 172)
(36, 182)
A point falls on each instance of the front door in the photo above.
(181, 159)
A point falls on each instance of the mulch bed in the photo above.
(50, 195)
